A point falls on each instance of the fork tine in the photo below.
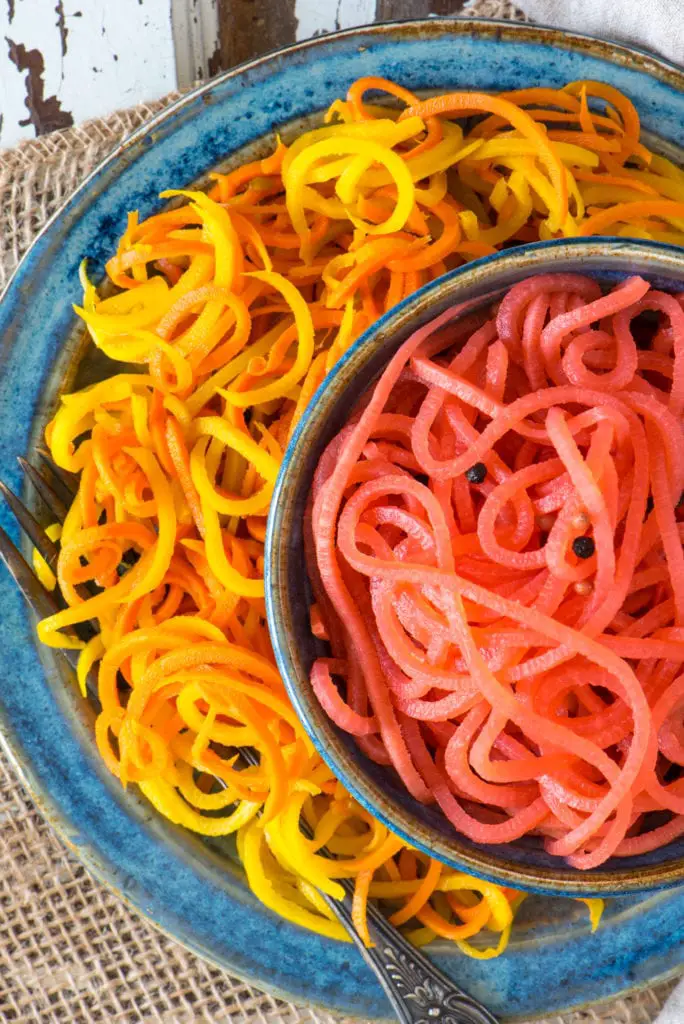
(50, 552)
(33, 530)
(40, 600)
(65, 484)
(34, 593)
(46, 491)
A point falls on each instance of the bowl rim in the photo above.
(413, 312)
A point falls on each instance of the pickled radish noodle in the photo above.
(497, 564)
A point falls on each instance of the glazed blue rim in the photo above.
(621, 956)
(636, 875)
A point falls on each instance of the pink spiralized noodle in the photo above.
(495, 543)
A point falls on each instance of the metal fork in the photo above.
(418, 991)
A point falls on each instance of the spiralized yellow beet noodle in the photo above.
(228, 308)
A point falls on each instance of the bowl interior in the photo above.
(523, 863)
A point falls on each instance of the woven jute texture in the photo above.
(71, 951)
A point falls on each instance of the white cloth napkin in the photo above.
(655, 25)
(658, 26)
(673, 1011)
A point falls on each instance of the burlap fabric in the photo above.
(70, 950)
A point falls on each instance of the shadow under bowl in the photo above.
(522, 864)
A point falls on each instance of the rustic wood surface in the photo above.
(62, 63)
(248, 28)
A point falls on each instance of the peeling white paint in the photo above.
(118, 53)
(196, 38)
(316, 17)
(121, 52)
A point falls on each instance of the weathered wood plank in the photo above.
(63, 62)
(195, 39)
(396, 10)
(250, 27)
(447, 6)
(316, 17)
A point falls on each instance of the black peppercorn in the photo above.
(583, 547)
(476, 473)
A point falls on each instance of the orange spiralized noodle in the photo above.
(529, 682)
(232, 305)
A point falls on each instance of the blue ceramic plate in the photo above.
(194, 891)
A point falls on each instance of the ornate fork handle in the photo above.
(418, 991)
